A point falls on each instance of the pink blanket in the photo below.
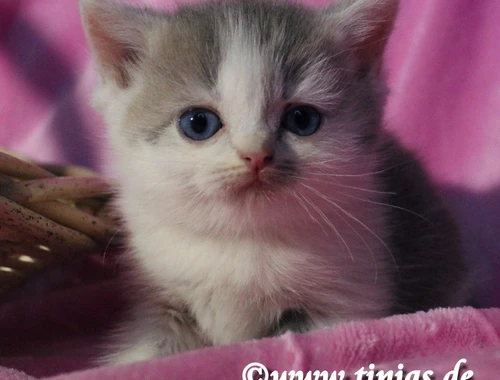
(444, 77)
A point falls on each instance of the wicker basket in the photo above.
(49, 214)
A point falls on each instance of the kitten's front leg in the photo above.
(154, 332)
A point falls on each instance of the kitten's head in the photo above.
(239, 110)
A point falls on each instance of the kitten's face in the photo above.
(230, 109)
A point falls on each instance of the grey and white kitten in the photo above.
(258, 187)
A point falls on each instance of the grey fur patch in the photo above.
(295, 320)
(425, 241)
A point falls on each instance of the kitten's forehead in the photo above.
(271, 48)
(242, 83)
(241, 57)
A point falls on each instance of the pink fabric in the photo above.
(423, 341)
(444, 77)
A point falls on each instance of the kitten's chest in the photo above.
(191, 264)
(237, 288)
(258, 267)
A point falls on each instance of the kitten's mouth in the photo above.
(254, 184)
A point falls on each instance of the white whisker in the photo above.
(327, 221)
(330, 201)
(356, 232)
(308, 212)
(388, 205)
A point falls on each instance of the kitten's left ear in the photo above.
(364, 25)
(117, 35)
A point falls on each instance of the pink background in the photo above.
(443, 72)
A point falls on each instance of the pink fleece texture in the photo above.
(444, 103)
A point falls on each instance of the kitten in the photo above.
(256, 182)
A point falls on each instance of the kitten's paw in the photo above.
(131, 354)
(155, 333)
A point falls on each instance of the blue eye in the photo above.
(199, 123)
(302, 120)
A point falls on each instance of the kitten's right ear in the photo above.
(362, 25)
(117, 35)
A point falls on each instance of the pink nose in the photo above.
(258, 160)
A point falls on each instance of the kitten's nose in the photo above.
(256, 161)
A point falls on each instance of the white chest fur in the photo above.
(237, 288)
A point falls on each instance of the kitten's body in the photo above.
(335, 226)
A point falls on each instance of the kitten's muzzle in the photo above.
(256, 161)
